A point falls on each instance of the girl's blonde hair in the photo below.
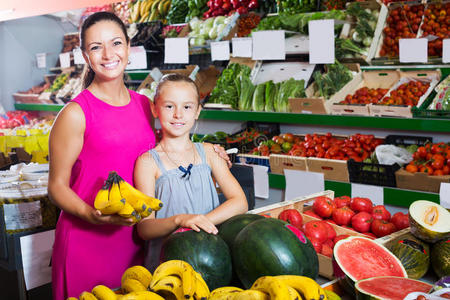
(175, 77)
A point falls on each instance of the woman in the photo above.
(105, 128)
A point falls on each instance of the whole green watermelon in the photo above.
(229, 229)
(440, 258)
(272, 247)
(207, 253)
(414, 256)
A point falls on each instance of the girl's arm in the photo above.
(65, 144)
(236, 202)
(150, 227)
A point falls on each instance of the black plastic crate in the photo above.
(267, 131)
(372, 173)
(406, 140)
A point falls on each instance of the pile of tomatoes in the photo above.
(365, 95)
(407, 93)
(433, 159)
(437, 23)
(402, 22)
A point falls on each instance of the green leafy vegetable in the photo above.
(270, 94)
(258, 102)
(331, 82)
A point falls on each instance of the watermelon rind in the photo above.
(440, 258)
(419, 229)
(348, 278)
(416, 261)
(362, 294)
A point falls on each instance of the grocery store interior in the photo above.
(310, 99)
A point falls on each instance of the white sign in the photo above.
(302, 183)
(176, 51)
(242, 47)
(268, 45)
(22, 215)
(78, 58)
(64, 60)
(137, 58)
(413, 50)
(36, 250)
(220, 50)
(374, 193)
(41, 59)
(321, 41)
(446, 51)
(444, 194)
(261, 181)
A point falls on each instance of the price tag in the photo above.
(321, 41)
(302, 183)
(268, 45)
(220, 50)
(78, 58)
(413, 50)
(41, 59)
(176, 51)
(374, 193)
(64, 60)
(444, 194)
(242, 47)
(446, 51)
(137, 58)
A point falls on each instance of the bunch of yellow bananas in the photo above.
(148, 10)
(119, 197)
(176, 279)
(283, 287)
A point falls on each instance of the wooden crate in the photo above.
(279, 162)
(332, 169)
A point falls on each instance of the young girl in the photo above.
(178, 172)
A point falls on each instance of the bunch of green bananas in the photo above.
(148, 10)
(274, 287)
(119, 197)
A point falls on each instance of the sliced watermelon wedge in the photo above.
(389, 288)
(361, 258)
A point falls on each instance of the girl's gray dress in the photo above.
(191, 194)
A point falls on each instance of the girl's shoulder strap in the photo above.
(157, 159)
(201, 151)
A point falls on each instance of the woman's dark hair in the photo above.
(88, 73)
(175, 77)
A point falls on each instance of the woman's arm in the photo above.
(236, 202)
(150, 227)
(65, 144)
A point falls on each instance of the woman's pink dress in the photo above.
(85, 255)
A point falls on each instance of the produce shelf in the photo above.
(392, 196)
(38, 107)
(416, 124)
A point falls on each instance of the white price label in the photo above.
(78, 58)
(64, 60)
(268, 45)
(242, 47)
(176, 51)
(137, 58)
(321, 41)
(41, 59)
(220, 50)
(413, 50)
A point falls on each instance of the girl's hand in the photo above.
(222, 153)
(96, 217)
(196, 222)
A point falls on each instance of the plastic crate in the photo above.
(267, 131)
(372, 173)
(406, 140)
(424, 112)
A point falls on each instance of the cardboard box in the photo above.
(420, 181)
(370, 79)
(332, 169)
(279, 162)
(431, 77)
(318, 105)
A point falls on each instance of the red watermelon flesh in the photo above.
(390, 287)
(361, 258)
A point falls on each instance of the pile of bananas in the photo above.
(174, 279)
(119, 197)
(148, 10)
(274, 287)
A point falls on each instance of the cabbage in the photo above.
(209, 23)
(194, 24)
(219, 20)
(213, 33)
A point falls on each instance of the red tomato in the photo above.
(329, 243)
(312, 214)
(323, 206)
(380, 212)
(340, 237)
(381, 228)
(327, 250)
(316, 230)
(330, 230)
(343, 215)
(400, 220)
(370, 235)
(316, 244)
(361, 204)
(342, 201)
(292, 216)
(361, 221)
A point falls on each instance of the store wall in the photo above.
(20, 40)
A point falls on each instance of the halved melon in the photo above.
(389, 288)
(429, 221)
(357, 258)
